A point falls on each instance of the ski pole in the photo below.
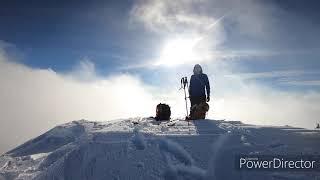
(184, 84)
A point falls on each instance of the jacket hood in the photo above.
(197, 66)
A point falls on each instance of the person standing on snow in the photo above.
(199, 89)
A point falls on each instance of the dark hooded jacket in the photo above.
(199, 84)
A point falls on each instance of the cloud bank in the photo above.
(254, 103)
(35, 100)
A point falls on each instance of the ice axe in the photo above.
(184, 85)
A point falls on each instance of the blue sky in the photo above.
(57, 35)
(101, 60)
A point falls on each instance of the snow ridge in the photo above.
(141, 148)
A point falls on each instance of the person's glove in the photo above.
(208, 98)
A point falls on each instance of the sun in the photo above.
(178, 51)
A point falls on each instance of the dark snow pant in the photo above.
(197, 100)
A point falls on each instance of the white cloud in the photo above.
(34, 100)
(302, 82)
(272, 74)
(250, 17)
(84, 71)
(256, 104)
(170, 16)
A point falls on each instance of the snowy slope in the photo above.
(142, 148)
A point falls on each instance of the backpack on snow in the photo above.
(198, 111)
(163, 112)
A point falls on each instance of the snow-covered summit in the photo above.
(141, 148)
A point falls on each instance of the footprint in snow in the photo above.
(138, 140)
(176, 150)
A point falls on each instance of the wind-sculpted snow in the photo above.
(51, 140)
(141, 148)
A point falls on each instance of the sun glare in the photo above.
(178, 51)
